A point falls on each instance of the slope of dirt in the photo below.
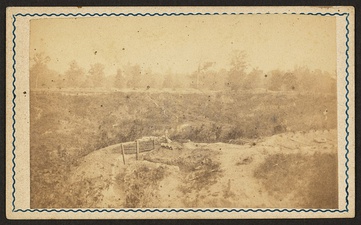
(65, 128)
(281, 171)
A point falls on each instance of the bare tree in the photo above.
(97, 75)
(135, 76)
(40, 74)
(119, 80)
(237, 72)
(75, 75)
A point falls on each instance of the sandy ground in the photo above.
(230, 177)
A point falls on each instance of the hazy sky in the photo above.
(181, 43)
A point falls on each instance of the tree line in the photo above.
(205, 77)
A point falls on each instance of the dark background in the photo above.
(7, 3)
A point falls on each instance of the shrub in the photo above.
(142, 185)
(310, 179)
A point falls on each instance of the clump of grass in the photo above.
(142, 186)
(244, 161)
(201, 172)
(311, 180)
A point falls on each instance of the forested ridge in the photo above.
(239, 76)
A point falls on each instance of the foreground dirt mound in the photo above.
(289, 170)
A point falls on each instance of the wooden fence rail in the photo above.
(136, 147)
(144, 146)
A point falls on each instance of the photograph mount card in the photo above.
(180, 112)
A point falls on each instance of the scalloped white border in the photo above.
(17, 51)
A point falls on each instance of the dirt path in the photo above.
(235, 183)
(238, 164)
(113, 195)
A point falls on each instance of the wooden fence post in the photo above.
(121, 145)
(137, 156)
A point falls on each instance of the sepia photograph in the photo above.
(183, 111)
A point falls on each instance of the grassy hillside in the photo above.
(65, 128)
